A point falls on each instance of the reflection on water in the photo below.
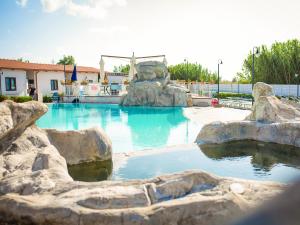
(264, 156)
(130, 128)
(91, 171)
(248, 160)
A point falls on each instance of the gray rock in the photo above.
(16, 117)
(81, 146)
(270, 109)
(219, 132)
(35, 187)
(150, 70)
(190, 197)
(262, 89)
(271, 120)
(153, 88)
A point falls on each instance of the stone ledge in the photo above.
(287, 133)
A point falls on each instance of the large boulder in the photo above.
(150, 70)
(81, 146)
(16, 117)
(152, 87)
(26, 152)
(219, 132)
(262, 89)
(271, 120)
(155, 94)
(190, 197)
(268, 108)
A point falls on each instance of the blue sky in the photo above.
(199, 30)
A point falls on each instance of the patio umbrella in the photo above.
(132, 70)
(102, 73)
(74, 74)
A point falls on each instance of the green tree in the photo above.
(121, 69)
(277, 64)
(193, 72)
(23, 60)
(67, 60)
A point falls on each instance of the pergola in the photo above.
(132, 59)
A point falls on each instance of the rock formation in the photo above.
(271, 120)
(81, 146)
(35, 187)
(152, 87)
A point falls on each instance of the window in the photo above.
(54, 85)
(10, 84)
(31, 82)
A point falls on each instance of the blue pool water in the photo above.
(139, 128)
(248, 160)
(130, 128)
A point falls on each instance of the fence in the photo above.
(208, 89)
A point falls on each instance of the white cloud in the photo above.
(90, 9)
(53, 5)
(22, 3)
(108, 30)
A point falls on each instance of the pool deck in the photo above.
(205, 115)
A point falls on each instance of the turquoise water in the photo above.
(247, 160)
(130, 128)
(138, 128)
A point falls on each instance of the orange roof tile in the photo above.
(17, 65)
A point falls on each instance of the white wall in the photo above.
(116, 79)
(21, 82)
(44, 78)
(87, 76)
(44, 84)
(279, 89)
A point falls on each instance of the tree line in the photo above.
(192, 72)
(277, 64)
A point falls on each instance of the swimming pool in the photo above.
(133, 129)
(130, 128)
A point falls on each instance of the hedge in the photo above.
(47, 99)
(15, 98)
(223, 95)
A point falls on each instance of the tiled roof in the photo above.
(17, 65)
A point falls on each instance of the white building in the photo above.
(15, 76)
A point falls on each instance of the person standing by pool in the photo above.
(31, 92)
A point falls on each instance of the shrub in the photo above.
(3, 98)
(47, 99)
(18, 99)
(22, 99)
(223, 95)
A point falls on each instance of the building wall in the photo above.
(116, 79)
(88, 76)
(21, 82)
(44, 80)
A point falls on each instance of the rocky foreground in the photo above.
(36, 188)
